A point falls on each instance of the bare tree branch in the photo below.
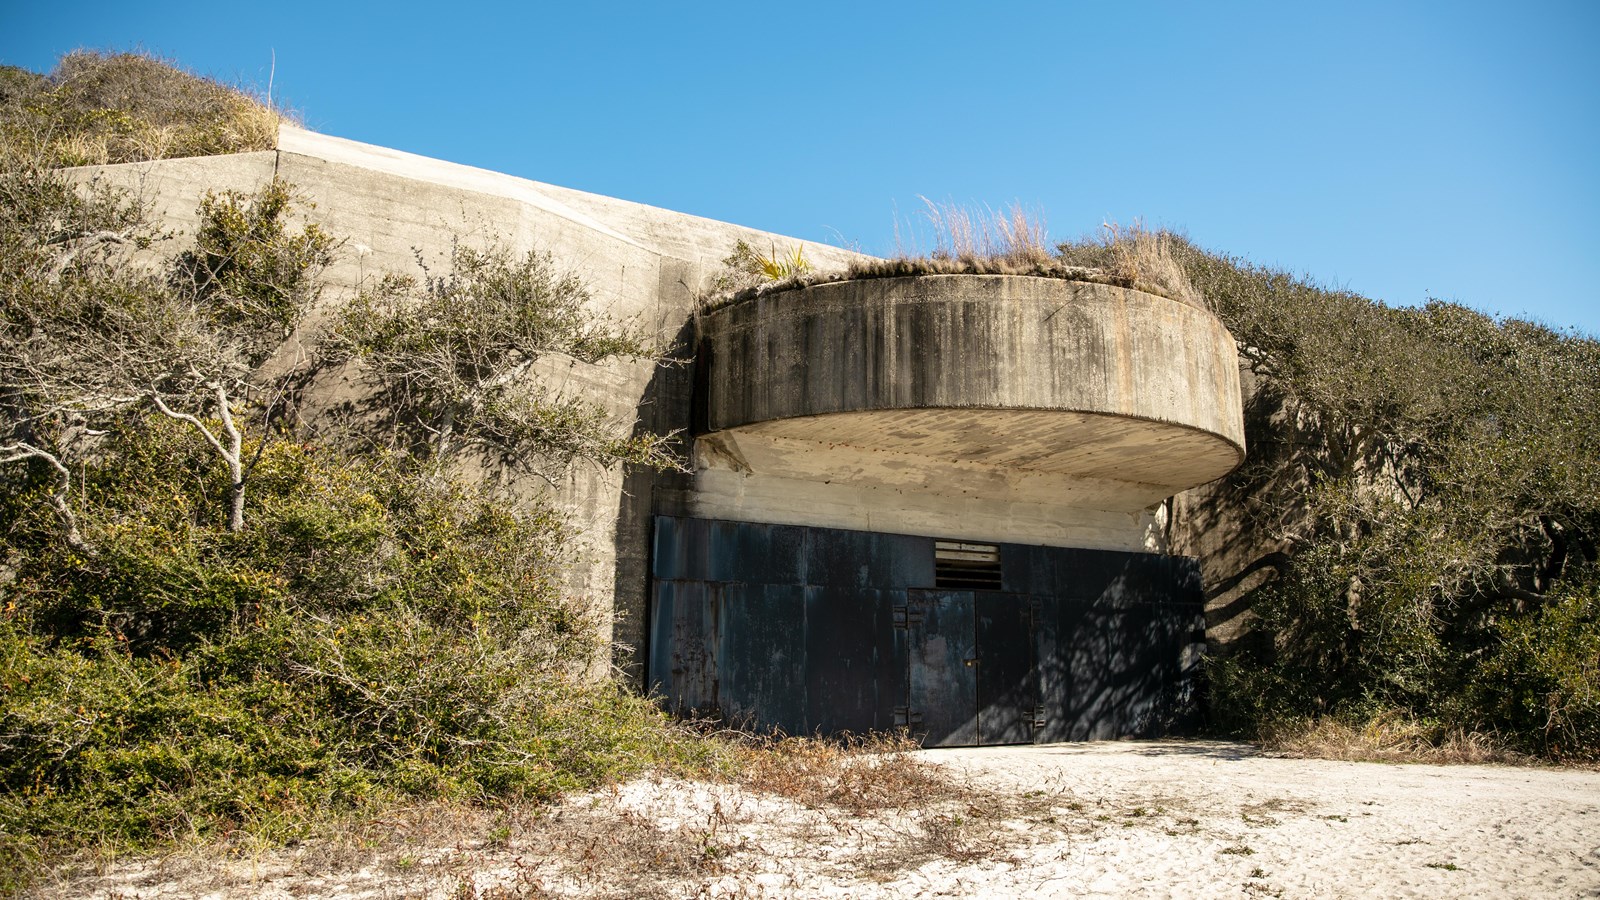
(18, 451)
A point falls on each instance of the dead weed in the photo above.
(1390, 739)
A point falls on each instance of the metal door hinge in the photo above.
(906, 616)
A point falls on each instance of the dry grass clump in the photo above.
(1010, 241)
(859, 774)
(1011, 236)
(864, 808)
(97, 108)
(1137, 256)
(1389, 739)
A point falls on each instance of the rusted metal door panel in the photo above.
(813, 629)
(942, 673)
(683, 664)
(839, 559)
(761, 655)
(1125, 666)
(1007, 688)
(850, 648)
(680, 548)
(868, 560)
(893, 668)
(1054, 680)
(756, 554)
(1113, 669)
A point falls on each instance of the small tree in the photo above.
(60, 286)
(453, 356)
(238, 295)
(90, 334)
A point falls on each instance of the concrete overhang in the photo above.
(1128, 396)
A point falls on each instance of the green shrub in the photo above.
(373, 636)
(246, 267)
(370, 633)
(1431, 473)
(448, 359)
(1543, 680)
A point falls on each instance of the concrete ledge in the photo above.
(1029, 373)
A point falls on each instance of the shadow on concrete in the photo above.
(666, 403)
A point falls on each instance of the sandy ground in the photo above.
(1234, 823)
(1109, 819)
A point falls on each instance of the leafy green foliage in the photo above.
(747, 267)
(452, 357)
(377, 634)
(247, 269)
(92, 333)
(374, 636)
(98, 108)
(1544, 677)
(1438, 493)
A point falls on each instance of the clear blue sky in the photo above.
(1449, 149)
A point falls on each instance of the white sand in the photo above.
(1109, 819)
(1315, 828)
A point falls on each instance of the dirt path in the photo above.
(1110, 819)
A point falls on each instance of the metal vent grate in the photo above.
(970, 567)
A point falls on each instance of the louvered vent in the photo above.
(966, 567)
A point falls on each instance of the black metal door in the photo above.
(810, 629)
(971, 677)
(942, 682)
(1007, 678)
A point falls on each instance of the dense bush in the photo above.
(1435, 477)
(449, 360)
(373, 635)
(180, 656)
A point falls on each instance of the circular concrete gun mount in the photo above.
(1030, 373)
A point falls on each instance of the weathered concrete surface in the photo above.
(1010, 408)
(1238, 526)
(976, 342)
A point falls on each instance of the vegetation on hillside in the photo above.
(214, 622)
(98, 108)
(1435, 475)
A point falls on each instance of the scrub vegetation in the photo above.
(216, 624)
(447, 359)
(97, 108)
(1431, 479)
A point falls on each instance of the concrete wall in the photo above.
(1005, 408)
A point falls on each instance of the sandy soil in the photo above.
(1233, 822)
(1110, 819)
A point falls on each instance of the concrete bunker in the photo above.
(928, 502)
(841, 434)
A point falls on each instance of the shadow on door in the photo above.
(971, 674)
